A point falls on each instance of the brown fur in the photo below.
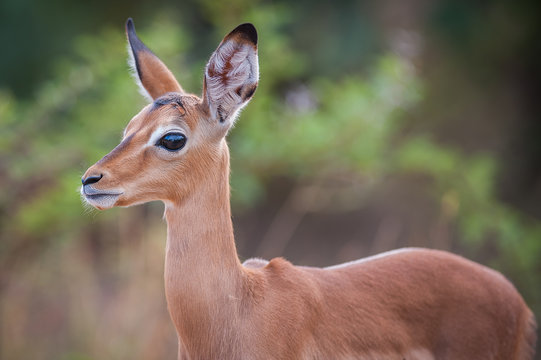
(152, 73)
(415, 304)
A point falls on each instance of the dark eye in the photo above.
(173, 141)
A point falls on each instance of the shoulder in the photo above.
(255, 263)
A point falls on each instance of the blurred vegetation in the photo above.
(359, 92)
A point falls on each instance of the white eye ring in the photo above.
(162, 131)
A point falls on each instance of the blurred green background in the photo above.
(377, 125)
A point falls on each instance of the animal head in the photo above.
(177, 139)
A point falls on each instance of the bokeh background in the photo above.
(377, 125)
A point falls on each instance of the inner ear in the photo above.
(151, 74)
(232, 74)
(246, 92)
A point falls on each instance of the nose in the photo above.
(91, 179)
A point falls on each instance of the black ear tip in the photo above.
(129, 26)
(247, 30)
(135, 43)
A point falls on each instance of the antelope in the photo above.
(410, 303)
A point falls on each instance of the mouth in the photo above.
(100, 199)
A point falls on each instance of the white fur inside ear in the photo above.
(231, 68)
(133, 71)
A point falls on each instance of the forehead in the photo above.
(169, 108)
(168, 99)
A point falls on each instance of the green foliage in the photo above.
(74, 120)
(345, 125)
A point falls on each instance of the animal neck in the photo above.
(203, 275)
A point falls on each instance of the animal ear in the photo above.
(231, 75)
(150, 73)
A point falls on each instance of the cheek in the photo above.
(132, 168)
(162, 179)
(152, 175)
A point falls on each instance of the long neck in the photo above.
(203, 275)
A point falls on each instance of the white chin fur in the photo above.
(100, 201)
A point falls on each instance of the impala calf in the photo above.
(404, 304)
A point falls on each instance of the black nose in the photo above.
(91, 179)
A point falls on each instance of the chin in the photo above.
(100, 200)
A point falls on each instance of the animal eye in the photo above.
(173, 141)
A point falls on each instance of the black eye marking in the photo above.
(172, 141)
(169, 99)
